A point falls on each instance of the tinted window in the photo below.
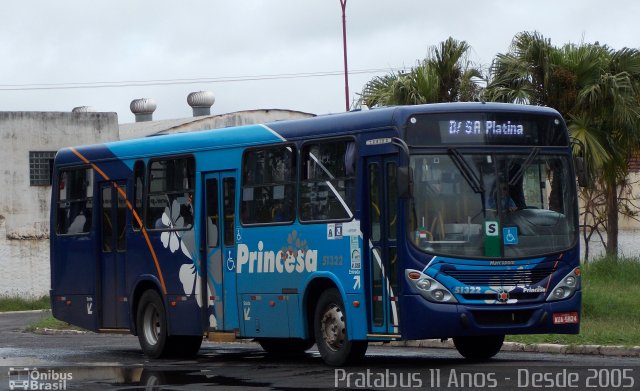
(229, 191)
(327, 189)
(268, 185)
(138, 188)
(170, 196)
(75, 201)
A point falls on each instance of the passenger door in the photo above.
(382, 254)
(220, 250)
(113, 246)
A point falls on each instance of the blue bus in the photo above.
(439, 221)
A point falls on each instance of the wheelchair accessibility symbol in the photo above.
(510, 235)
(231, 264)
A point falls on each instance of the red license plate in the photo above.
(565, 318)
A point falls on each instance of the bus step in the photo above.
(385, 336)
(219, 336)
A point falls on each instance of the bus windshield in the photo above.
(492, 205)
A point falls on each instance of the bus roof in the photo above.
(329, 125)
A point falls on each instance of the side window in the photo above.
(229, 204)
(75, 201)
(213, 220)
(374, 201)
(268, 185)
(327, 189)
(138, 189)
(170, 196)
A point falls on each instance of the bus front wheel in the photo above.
(479, 348)
(330, 329)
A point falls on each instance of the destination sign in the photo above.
(485, 129)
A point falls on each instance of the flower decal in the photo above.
(190, 279)
(171, 219)
(294, 245)
(189, 273)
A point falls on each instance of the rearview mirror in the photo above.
(405, 182)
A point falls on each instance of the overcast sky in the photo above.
(65, 42)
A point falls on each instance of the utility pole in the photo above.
(343, 4)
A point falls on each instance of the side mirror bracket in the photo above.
(405, 177)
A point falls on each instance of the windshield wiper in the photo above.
(527, 162)
(467, 172)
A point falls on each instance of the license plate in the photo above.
(565, 318)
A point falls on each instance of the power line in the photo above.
(162, 82)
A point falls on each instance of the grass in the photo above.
(10, 303)
(610, 306)
(49, 322)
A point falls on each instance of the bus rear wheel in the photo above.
(479, 348)
(330, 329)
(151, 325)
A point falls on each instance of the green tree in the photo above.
(596, 88)
(445, 75)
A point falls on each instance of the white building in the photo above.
(29, 141)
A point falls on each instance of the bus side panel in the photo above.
(277, 263)
(74, 265)
(184, 317)
(266, 316)
(78, 310)
(73, 280)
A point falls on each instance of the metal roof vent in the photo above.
(201, 102)
(84, 109)
(143, 108)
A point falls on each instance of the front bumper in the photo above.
(421, 319)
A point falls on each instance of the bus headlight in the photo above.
(429, 288)
(566, 287)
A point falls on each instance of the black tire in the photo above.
(151, 325)
(479, 348)
(330, 330)
(285, 347)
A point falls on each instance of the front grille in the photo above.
(520, 296)
(491, 277)
(490, 318)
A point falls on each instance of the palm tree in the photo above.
(446, 75)
(595, 88)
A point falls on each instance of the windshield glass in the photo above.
(492, 205)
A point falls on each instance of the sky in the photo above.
(120, 50)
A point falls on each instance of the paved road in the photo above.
(99, 361)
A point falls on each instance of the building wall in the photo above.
(626, 223)
(24, 209)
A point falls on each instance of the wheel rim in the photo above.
(151, 324)
(333, 327)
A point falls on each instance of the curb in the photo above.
(601, 350)
(25, 312)
(47, 331)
